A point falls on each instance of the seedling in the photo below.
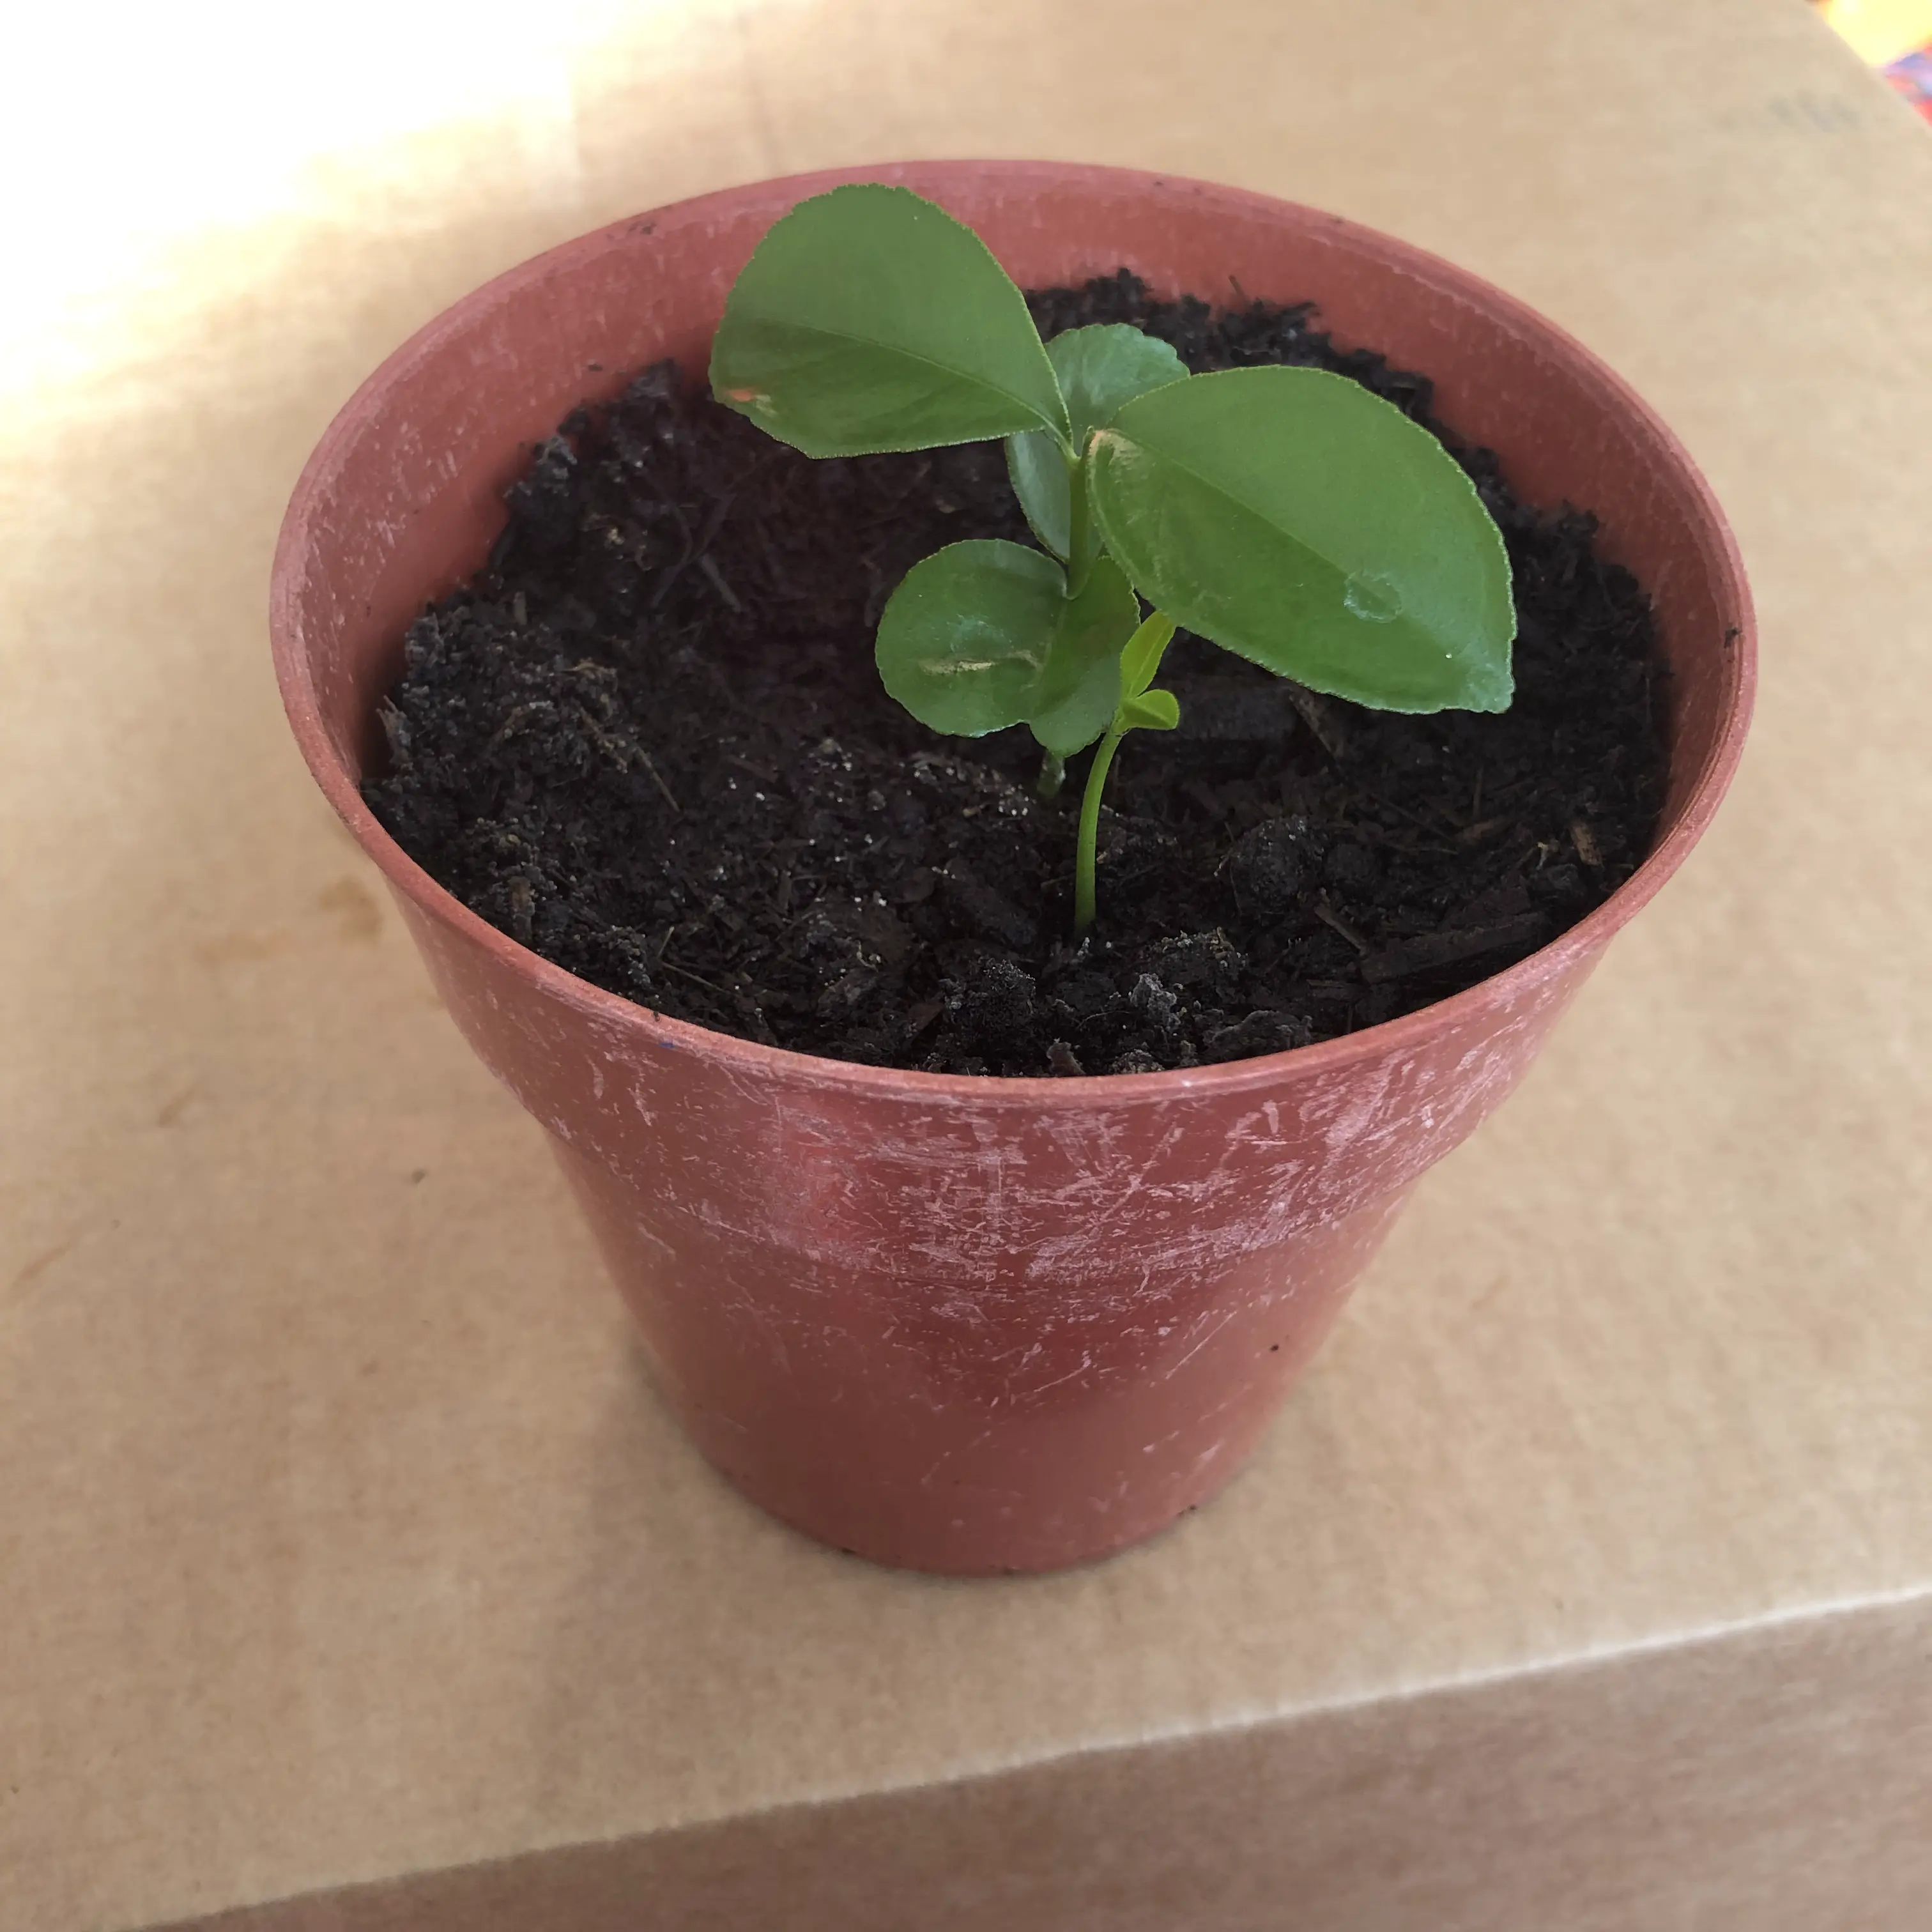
(1288, 515)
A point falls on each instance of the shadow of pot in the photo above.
(976, 1325)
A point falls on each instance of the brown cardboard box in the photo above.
(350, 1576)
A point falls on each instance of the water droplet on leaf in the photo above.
(1369, 594)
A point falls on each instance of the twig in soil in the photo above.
(1331, 992)
(1415, 818)
(696, 978)
(921, 1017)
(1320, 719)
(509, 728)
(763, 461)
(1540, 850)
(1335, 922)
(1450, 949)
(657, 778)
(695, 547)
(670, 502)
(1475, 833)
(709, 564)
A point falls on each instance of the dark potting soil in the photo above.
(649, 741)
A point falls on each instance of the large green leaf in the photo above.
(1099, 368)
(982, 635)
(1299, 520)
(869, 319)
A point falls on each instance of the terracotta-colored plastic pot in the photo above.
(963, 1324)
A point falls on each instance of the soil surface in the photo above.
(649, 741)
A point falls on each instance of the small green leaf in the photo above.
(981, 635)
(869, 319)
(1152, 711)
(1297, 520)
(1142, 658)
(1080, 685)
(963, 641)
(1100, 367)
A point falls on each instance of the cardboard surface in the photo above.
(1587, 1580)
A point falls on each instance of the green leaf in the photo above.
(1142, 658)
(963, 641)
(1080, 685)
(981, 635)
(1152, 711)
(869, 319)
(1099, 368)
(1297, 520)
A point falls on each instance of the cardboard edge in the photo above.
(1770, 1774)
